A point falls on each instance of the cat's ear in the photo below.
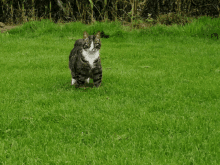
(98, 35)
(85, 35)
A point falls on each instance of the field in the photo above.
(158, 103)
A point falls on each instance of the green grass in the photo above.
(158, 102)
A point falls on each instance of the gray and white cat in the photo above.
(84, 60)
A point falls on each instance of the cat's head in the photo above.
(92, 43)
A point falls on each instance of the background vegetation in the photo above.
(158, 103)
(88, 11)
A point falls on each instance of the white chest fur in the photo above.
(90, 55)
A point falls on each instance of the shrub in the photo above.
(173, 18)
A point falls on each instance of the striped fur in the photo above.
(84, 60)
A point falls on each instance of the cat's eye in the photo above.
(85, 46)
(97, 45)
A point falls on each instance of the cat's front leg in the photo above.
(80, 80)
(97, 77)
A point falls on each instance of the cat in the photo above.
(84, 60)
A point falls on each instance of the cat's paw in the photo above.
(87, 80)
(73, 81)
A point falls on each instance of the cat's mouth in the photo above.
(92, 56)
(91, 52)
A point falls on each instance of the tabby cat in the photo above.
(84, 60)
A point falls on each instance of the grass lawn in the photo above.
(158, 103)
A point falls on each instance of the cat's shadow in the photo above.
(86, 85)
(68, 86)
